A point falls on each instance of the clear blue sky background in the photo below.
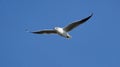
(96, 43)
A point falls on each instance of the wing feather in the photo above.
(77, 23)
(45, 32)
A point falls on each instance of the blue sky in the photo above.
(95, 43)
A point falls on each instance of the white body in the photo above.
(62, 32)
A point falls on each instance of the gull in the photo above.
(63, 31)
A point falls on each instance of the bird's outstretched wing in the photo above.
(75, 24)
(45, 32)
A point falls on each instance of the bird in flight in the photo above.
(63, 31)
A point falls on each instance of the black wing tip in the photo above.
(85, 19)
(91, 14)
(89, 17)
(37, 32)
